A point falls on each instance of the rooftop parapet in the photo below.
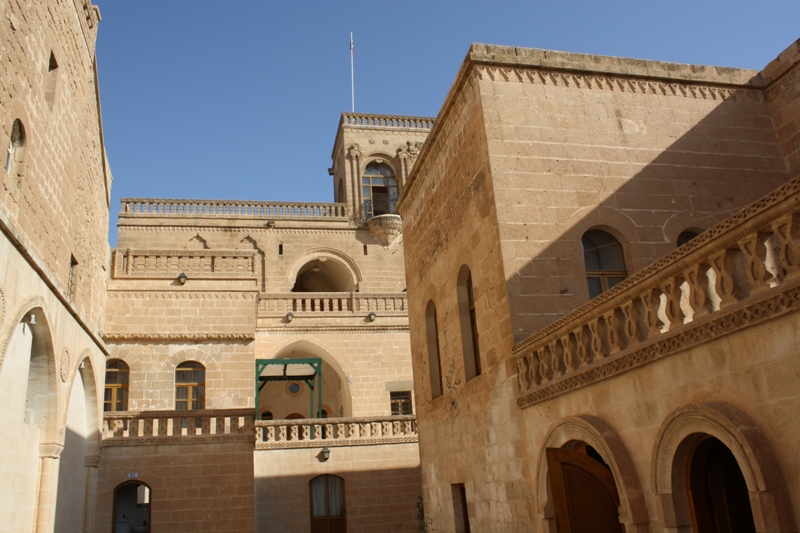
(165, 208)
(743, 271)
(386, 121)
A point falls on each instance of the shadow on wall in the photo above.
(724, 162)
(371, 500)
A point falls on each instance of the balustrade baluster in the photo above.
(612, 331)
(340, 432)
(147, 429)
(698, 284)
(648, 314)
(584, 357)
(788, 249)
(162, 426)
(305, 432)
(396, 430)
(523, 379)
(754, 255)
(629, 325)
(544, 365)
(596, 342)
(555, 361)
(271, 434)
(671, 315)
(723, 279)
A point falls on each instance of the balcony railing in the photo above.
(387, 121)
(150, 428)
(313, 304)
(314, 432)
(375, 207)
(196, 263)
(741, 272)
(132, 428)
(156, 208)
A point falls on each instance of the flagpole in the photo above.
(352, 78)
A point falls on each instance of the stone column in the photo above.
(49, 458)
(92, 462)
(354, 154)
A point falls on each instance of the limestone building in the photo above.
(577, 286)
(667, 402)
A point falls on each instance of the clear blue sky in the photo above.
(240, 99)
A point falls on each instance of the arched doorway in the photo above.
(583, 491)
(132, 508)
(717, 490)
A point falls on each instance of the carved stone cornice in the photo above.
(160, 441)
(619, 84)
(312, 330)
(180, 295)
(331, 443)
(763, 306)
(177, 337)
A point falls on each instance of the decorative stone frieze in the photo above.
(177, 337)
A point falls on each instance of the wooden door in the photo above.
(584, 495)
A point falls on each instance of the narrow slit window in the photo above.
(280, 249)
(469, 325)
(51, 81)
(434, 363)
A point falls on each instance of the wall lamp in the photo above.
(289, 316)
(372, 316)
(326, 453)
(182, 278)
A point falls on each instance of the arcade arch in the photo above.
(594, 440)
(324, 271)
(680, 452)
(336, 398)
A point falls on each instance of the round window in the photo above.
(293, 388)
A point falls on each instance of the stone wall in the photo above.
(783, 79)
(450, 219)
(194, 487)
(642, 150)
(55, 198)
(381, 487)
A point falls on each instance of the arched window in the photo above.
(327, 504)
(604, 261)
(379, 189)
(15, 154)
(687, 236)
(469, 325)
(116, 392)
(190, 386)
(434, 364)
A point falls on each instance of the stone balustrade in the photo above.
(739, 273)
(318, 432)
(387, 121)
(132, 428)
(195, 263)
(331, 303)
(154, 208)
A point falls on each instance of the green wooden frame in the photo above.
(313, 362)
